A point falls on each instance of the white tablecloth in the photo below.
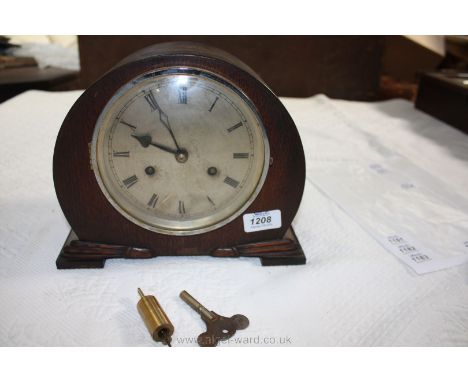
(350, 292)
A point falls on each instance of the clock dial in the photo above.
(180, 152)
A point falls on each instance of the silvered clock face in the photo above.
(180, 152)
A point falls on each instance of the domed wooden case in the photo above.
(100, 232)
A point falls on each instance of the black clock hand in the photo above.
(162, 115)
(146, 140)
(168, 126)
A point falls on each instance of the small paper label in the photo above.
(407, 251)
(261, 221)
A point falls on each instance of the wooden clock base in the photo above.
(82, 254)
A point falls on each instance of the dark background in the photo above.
(293, 66)
(363, 68)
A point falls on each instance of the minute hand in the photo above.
(162, 115)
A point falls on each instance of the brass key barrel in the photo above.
(195, 305)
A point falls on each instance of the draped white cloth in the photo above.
(351, 292)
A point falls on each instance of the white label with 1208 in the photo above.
(260, 221)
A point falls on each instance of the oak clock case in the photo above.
(165, 154)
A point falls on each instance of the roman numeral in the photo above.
(129, 125)
(181, 207)
(149, 97)
(213, 104)
(154, 199)
(240, 155)
(232, 182)
(183, 95)
(125, 154)
(236, 126)
(130, 181)
(210, 200)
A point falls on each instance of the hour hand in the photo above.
(146, 140)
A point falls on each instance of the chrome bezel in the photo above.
(161, 229)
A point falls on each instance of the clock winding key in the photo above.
(218, 328)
